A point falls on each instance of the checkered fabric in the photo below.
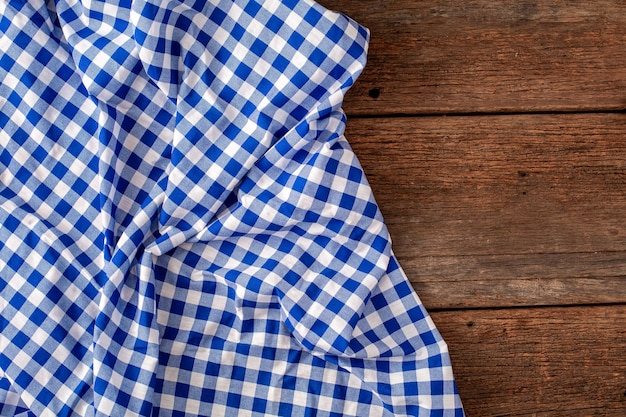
(184, 229)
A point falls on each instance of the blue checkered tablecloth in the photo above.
(184, 229)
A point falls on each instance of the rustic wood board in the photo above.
(502, 211)
(539, 361)
(442, 56)
(518, 280)
(509, 214)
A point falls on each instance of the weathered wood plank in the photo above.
(518, 280)
(498, 184)
(503, 210)
(441, 56)
(539, 362)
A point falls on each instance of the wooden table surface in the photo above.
(494, 136)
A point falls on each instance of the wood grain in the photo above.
(539, 362)
(442, 56)
(503, 210)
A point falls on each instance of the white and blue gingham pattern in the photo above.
(184, 229)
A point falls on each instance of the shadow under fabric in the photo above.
(185, 230)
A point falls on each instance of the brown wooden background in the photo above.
(494, 136)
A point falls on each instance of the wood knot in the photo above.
(374, 93)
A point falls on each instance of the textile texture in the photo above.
(184, 229)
